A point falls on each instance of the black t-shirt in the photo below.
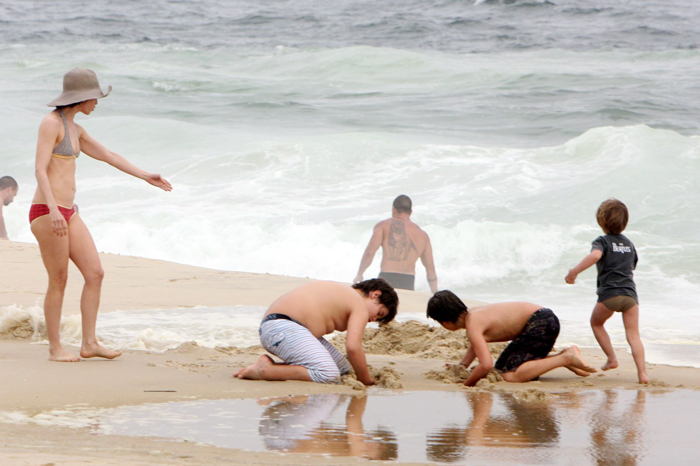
(615, 267)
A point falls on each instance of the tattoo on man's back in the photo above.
(400, 244)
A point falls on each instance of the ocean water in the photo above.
(287, 128)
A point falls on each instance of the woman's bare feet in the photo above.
(98, 351)
(252, 372)
(643, 378)
(610, 364)
(61, 355)
(577, 361)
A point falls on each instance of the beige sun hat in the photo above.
(79, 84)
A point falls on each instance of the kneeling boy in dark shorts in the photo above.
(530, 328)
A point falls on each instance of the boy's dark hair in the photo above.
(388, 298)
(612, 216)
(445, 306)
(403, 204)
(7, 182)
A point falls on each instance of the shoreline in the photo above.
(198, 373)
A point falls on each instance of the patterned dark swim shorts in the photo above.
(535, 342)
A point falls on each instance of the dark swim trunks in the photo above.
(278, 316)
(535, 342)
(402, 281)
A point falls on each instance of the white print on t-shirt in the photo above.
(621, 248)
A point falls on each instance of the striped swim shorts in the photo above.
(295, 345)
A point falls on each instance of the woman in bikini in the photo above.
(57, 226)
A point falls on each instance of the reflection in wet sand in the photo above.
(524, 425)
(617, 435)
(300, 425)
(587, 428)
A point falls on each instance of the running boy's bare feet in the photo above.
(61, 355)
(98, 351)
(252, 372)
(610, 364)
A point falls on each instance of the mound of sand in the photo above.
(386, 377)
(22, 329)
(191, 347)
(413, 337)
(457, 373)
(18, 322)
(450, 374)
(532, 395)
(351, 381)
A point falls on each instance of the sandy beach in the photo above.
(286, 130)
(32, 385)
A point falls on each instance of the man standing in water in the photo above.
(8, 191)
(402, 242)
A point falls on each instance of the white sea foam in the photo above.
(237, 326)
(29, 323)
(159, 331)
(150, 330)
(505, 223)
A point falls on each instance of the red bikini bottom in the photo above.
(40, 210)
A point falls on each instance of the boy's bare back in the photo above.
(500, 321)
(322, 307)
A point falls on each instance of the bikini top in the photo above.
(64, 149)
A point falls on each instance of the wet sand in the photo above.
(32, 385)
(460, 427)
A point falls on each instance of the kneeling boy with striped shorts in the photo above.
(294, 325)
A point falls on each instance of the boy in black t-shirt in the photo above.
(616, 258)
